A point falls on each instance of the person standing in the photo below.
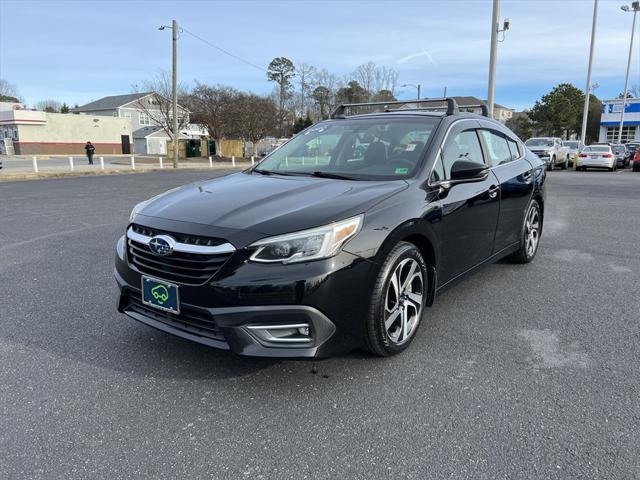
(90, 149)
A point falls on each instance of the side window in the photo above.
(497, 147)
(514, 149)
(464, 146)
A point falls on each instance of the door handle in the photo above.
(526, 176)
(493, 191)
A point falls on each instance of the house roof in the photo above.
(144, 132)
(154, 130)
(111, 102)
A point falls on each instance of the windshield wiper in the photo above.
(337, 176)
(262, 172)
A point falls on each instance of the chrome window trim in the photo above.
(184, 247)
(439, 152)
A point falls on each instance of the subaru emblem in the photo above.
(162, 245)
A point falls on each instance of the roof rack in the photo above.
(451, 106)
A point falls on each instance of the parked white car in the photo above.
(597, 156)
(550, 150)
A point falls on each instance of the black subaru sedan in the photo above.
(339, 239)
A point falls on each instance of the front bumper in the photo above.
(239, 308)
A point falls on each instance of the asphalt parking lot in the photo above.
(519, 372)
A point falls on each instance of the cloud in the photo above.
(421, 53)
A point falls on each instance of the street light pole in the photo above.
(635, 6)
(493, 55)
(585, 111)
(174, 87)
(417, 87)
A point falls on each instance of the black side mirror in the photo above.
(463, 170)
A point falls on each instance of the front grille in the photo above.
(179, 237)
(189, 319)
(179, 267)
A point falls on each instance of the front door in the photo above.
(126, 146)
(469, 210)
(515, 175)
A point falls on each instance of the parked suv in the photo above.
(550, 150)
(324, 246)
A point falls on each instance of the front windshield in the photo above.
(539, 142)
(571, 144)
(361, 149)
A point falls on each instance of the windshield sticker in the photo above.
(410, 147)
(401, 170)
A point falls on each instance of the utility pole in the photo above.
(493, 55)
(174, 86)
(635, 6)
(418, 91)
(585, 111)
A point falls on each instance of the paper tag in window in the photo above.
(410, 147)
(401, 171)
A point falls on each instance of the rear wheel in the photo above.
(397, 302)
(636, 167)
(531, 231)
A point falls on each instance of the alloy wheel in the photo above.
(403, 301)
(532, 231)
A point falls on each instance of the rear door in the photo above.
(469, 210)
(515, 176)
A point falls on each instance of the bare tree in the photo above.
(9, 92)
(305, 79)
(365, 75)
(158, 105)
(254, 117)
(50, 106)
(213, 107)
(374, 78)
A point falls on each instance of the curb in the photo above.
(18, 176)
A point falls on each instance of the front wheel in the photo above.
(397, 302)
(552, 164)
(531, 231)
(566, 163)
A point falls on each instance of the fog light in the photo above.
(289, 334)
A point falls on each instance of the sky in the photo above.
(80, 50)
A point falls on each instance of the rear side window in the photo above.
(463, 146)
(497, 148)
(514, 148)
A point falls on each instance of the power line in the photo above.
(223, 50)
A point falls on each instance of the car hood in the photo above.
(270, 205)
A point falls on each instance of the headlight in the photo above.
(321, 242)
(137, 209)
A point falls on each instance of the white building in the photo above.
(610, 120)
(141, 108)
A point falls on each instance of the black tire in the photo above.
(552, 164)
(377, 338)
(636, 167)
(565, 164)
(523, 254)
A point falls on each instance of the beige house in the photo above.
(500, 112)
(35, 133)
